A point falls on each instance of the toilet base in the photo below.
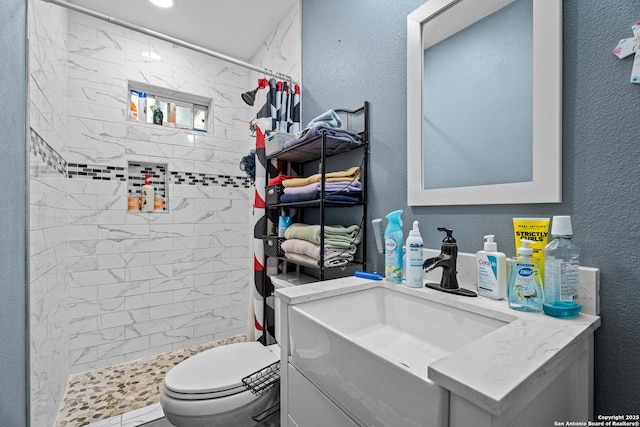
(240, 417)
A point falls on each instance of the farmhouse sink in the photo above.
(362, 347)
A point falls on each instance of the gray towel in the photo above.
(329, 117)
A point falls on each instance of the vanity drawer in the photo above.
(308, 407)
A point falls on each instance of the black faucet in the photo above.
(447, 259)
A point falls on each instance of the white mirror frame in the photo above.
(546, 186)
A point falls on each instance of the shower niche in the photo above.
(136, 177)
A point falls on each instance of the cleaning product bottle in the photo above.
(492, 270)
(146, 195)
(415, 257)
(393, 239)
(133, 105)
(142, 107)
(561, 260)
(525, 287)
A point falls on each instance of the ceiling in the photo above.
(234, 28)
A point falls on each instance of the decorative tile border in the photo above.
(106, 173)
(47, 154)
(192, 178)
(51, 157)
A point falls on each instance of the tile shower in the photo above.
(109, 286)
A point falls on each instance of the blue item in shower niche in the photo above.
(283, 223)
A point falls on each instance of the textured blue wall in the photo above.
(13, 215)
(356, 50)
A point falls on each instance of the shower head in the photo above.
(250, 96)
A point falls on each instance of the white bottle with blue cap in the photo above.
(414, 274)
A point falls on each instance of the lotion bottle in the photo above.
(415, 257)
(525, 286)
(492, 270)
(146, 195)
(393, 240)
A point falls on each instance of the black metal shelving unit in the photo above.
(319, 149)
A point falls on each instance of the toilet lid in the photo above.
(219, 369)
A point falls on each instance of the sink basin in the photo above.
(369, 351)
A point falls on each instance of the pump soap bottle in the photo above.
(393, 240)
(146, 195)
(492, 270)
(525, 286)
(415, 257)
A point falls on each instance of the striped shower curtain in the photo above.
(273, 97)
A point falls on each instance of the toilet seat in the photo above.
(218, 372)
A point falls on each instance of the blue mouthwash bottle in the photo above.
(561, 261)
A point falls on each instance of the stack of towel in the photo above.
(330, 123)
(342, 186)
(302, 244)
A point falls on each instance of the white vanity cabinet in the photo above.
(354, 351)
(308, 406)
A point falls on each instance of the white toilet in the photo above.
(207, 389)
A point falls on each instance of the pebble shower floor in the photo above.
(104, 393)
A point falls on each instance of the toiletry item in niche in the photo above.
(535, 230)
(133, 105)
(492, 270)
(142, 107)
(133, 204)
(525, 287)
(415, 257)
(146, 195)
(157, 116)
(393, 240)
(562, 262)
(172, 114)
(158, 203)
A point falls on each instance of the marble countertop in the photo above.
(495, 370)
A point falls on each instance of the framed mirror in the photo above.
(484, 102)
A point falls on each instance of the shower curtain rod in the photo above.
(169, 39)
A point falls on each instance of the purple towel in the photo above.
(339, 191)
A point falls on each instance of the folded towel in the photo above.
(329, 187)
(351, 174)
(299, 258)
(339, 191)
(342, 198)
(329, 117)
(334, 235)
(304, 247)
(336, 137)
(350, 198)
(309, 253)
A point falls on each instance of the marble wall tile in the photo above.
(112, 285)
(148, 327)
(49, 317)
(170, 310)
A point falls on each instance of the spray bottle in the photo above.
(393, 239)
(415, 257)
